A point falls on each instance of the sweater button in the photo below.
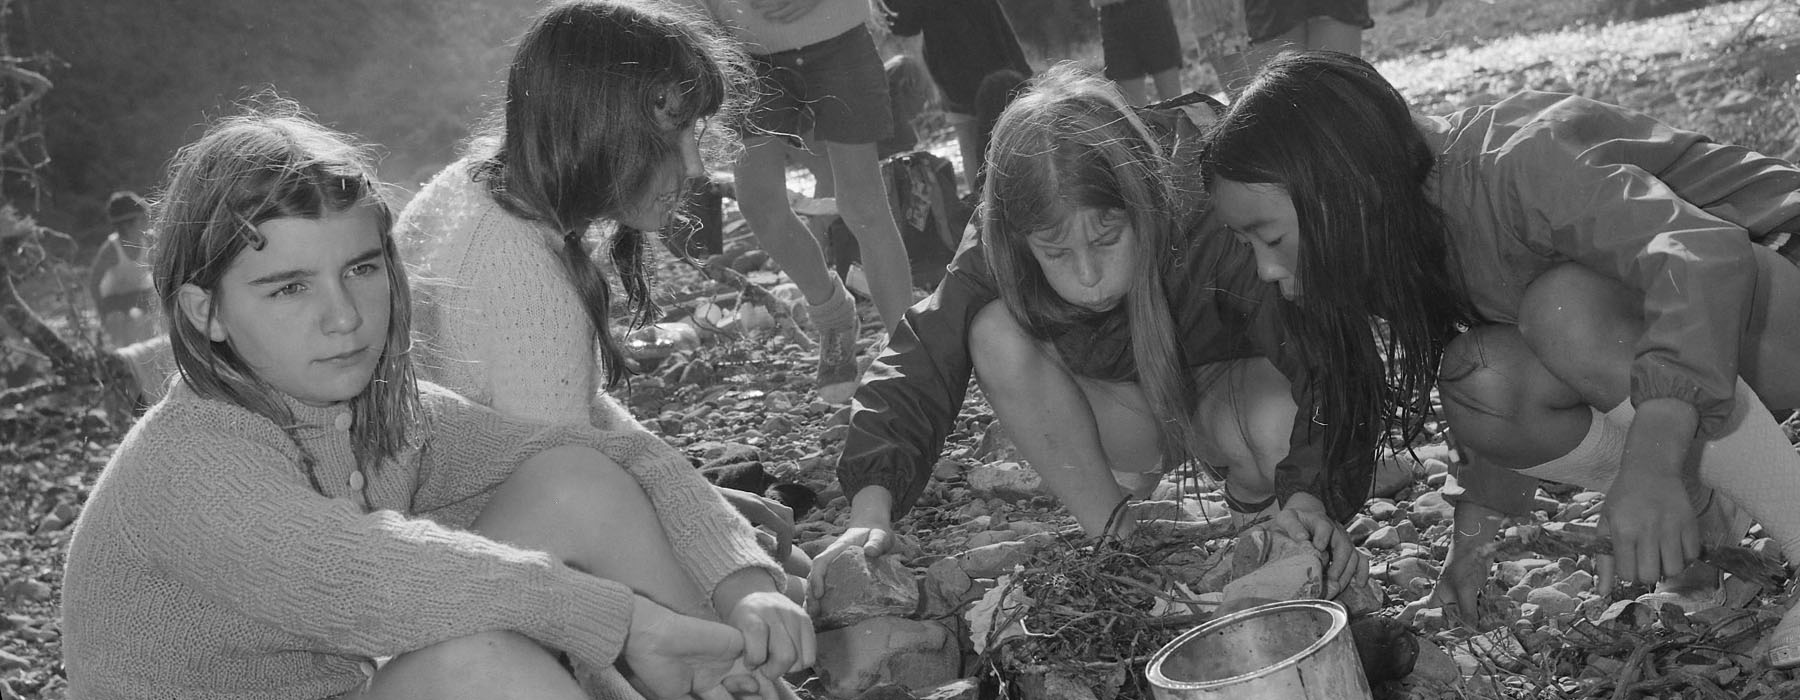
(356, 481)
(342, 421)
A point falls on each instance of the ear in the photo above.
(197, 306)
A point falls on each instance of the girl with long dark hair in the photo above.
(1600, 298)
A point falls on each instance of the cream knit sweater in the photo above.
(497, 319)
(204, 565)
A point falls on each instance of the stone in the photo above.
(990, 537)
(856, 588)
(1407, 531)
(946, 468)
(996, 559)
(948, 587)
(778, 425)
(1579, 580)
(1543, 575)
(1555, 603)
(1510, 573)
(1434, 665)
(834, 434)
(1430, 509)
(8, 661)
(26, 589)
(910, 653)
(1383, 538)
(1383, 509)
(1006, 480)
(1408, 568)
(1293, 577)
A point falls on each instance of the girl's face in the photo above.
(1090, 258)
(1263, 216)
(309, 312)
(667, 190)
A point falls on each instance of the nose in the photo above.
(690, 155)
(1268, 267)
(1087, 270)
(340, 313)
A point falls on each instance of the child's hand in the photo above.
(1303, 518)
(1647, 514)
(767, 513)
(674, 656)
(778, 636)
(1652, 527)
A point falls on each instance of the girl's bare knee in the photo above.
(494, 664)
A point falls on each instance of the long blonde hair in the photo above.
(1070, 142)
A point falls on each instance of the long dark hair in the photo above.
(1071, 142)
(1340, 139)
(274, 162)
(578, 140)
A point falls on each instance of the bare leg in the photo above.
(1049, 417)
(1168, 83)
(760, 177)
(863, 203)
(1331, 35)
(1077, 432)
(578, 505)
(1133, 90)
(485, 665)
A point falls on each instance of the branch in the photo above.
(36, 86)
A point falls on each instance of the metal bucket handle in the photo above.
(1340, 622)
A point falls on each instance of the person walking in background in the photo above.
(821, 76)
(965, 41)
(1138, 39)
(119, 278)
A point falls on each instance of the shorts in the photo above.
(1138, 38)
(835, 90)
(1267, 19)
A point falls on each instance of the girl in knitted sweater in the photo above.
(605, 102)
(300, 518)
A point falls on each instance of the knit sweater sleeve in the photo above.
(710, 539)
(234, 519)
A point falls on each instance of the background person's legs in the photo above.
(1133, 90)
(1168, 83)
(863, 204)
(761, 181)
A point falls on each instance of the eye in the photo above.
(288, 289)
(363, 269)
(1054, 254)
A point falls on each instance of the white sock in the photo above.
(1756, 467)
(1594, 463)
(837, 312)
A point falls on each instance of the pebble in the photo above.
(1431, 509)
(1383, 538)
(1383, 509)
(1362, 526)
(27, 589)
(9, 661)
(1554, 602)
